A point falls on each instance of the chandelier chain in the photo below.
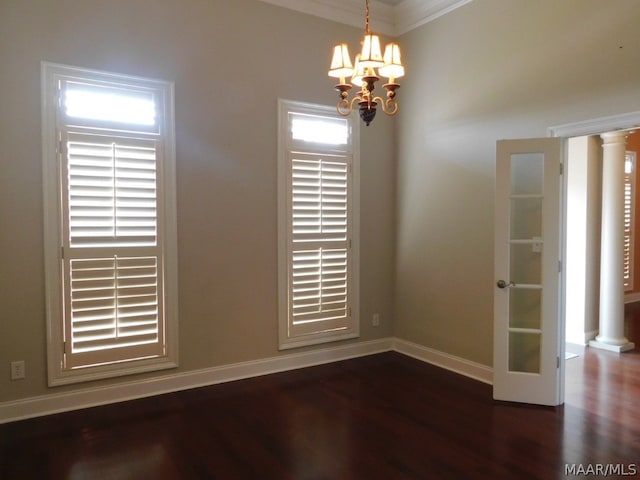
(366, 18)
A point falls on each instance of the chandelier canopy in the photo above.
(365, 71)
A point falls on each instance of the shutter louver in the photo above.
(320, 258)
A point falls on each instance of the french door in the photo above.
(527, 321)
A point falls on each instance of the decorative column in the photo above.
(611, 335)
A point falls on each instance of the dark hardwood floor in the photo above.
(386, 416)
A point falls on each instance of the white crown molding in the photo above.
(596, 126)
(385, 19)
(349, 12)
(411, 14)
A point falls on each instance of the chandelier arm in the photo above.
(389, 105)
(354, 100)
(345, 107)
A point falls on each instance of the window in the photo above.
(318, 225)
(110, 229)
(629, 217)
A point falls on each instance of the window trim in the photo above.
(52, 75)
(285, 146)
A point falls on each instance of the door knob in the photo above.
(503, 284)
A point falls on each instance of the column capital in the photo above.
(618, 136)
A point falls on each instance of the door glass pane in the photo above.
(525, 260)
(527, 173)
(525, 264)
(524, 352)
(526, 218)
(524, 308)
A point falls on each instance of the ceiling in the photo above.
(388, 17)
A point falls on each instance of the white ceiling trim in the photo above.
(596, 126)
(385, 19)
(349, 12)
(410, 14)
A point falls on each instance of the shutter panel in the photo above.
(112, 191)
(320, 253)
(114, 309)
(113, 274)
(319, 198)
(629, 201)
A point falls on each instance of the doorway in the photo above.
(587, 298)
(583, 208)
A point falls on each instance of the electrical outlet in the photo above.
(17, 370)
(375, 321)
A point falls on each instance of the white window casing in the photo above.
(110, 224)
(318, 226)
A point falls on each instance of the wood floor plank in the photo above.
(385, 416)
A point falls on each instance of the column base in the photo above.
(612, 348)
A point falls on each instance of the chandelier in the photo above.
(370, 64)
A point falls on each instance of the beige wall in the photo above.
(230, 61)
(492, 69)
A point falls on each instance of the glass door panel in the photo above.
(526, 217)
(527, 173)
(527, 345)
(525, 264)
(524, 308)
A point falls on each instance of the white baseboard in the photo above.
(91, 397)
(581, 339)
(631, 297)
(455, 364)
(577, 348)
(590, 335)
(62, 402)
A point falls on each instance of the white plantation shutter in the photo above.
(629, 218)
(319, 247)
(113, 272)
(317, 221)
